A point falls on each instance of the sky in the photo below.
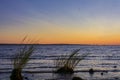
(60, 21)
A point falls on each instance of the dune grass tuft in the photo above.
(20, 60)
(66, 64)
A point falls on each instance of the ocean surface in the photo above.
(105, 60)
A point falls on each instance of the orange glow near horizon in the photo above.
(54, 34)
(67, 39)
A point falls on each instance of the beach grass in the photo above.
(66, 64)
(20, 60)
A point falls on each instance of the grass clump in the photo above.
(66, 64)
(20, 60)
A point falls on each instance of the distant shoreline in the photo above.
(59, 44)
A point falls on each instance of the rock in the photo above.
(91, 71)
(102, 73)
(26, 78)
(116, 78)
(115, 66)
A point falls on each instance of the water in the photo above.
(104, 59)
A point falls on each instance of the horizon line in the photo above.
(57, 44)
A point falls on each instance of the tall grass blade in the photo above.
(68, 63)
(20, 60)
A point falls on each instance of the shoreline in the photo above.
(54, 71)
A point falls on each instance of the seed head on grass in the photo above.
(66, 64)
(20, 60)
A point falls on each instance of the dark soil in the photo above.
(65, 70)
(77, 78)
(16, 75)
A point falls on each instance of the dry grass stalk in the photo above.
(20, 60)
(66, 64)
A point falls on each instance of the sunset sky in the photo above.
(60, 21)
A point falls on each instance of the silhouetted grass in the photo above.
(20, 60)
(66, 64)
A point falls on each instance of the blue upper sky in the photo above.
(12, 11)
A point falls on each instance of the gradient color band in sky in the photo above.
(60, 21)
